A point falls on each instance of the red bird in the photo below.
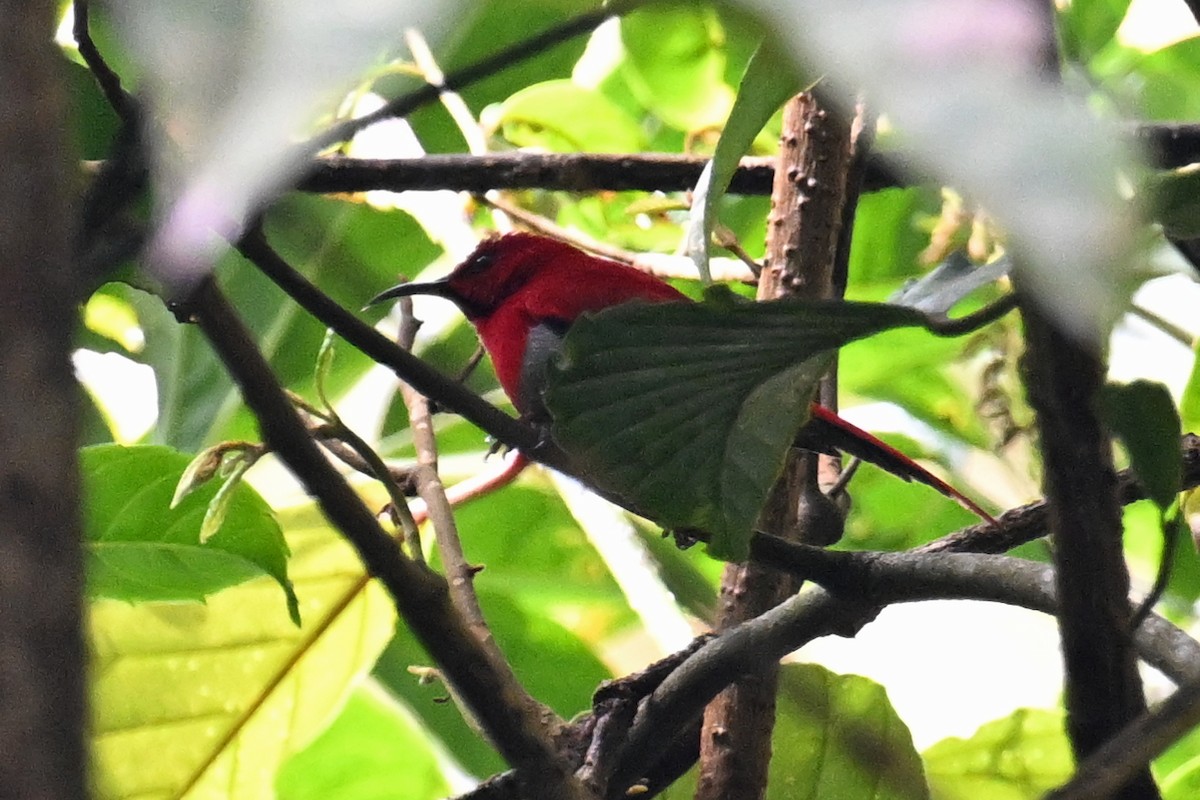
(522, 291)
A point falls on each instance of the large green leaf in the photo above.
(141, 549)
(375, 750)
(675, 63)
(1086, 27)
(349, 250)
(768, 82)
(1162, 85)
(1020, 757)
(684, 412)
(562, 116)
(837, 736)
(198, 701)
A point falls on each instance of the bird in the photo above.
(522, 292)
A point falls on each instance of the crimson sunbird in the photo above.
(523, 291)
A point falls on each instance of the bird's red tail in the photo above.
(827, 430)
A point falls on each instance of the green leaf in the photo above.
(1189, 404)
(376, 749)
(137, 572)
(1173, 200)
(1177, 770)
(193, 701)
(349, 250)
(684, 412)
(1146, 528)
(1085, 27)
(675, 63)
(142, 549)
(562, 116)
(1142, 414)
(542, 652)
(837, 736)
(218, 507)
(1162, 85)
(1020, 757)
(769, 81)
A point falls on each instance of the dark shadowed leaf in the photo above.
(1143, 415)
(685, 411)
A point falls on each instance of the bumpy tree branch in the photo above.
(803, 234)
(1103, 690)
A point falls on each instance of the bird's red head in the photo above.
(520, 284)
(497, 269)
(565, 279)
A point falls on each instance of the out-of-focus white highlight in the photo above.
(934, 657)
(125, 392)
(234, 88)
(1153, 24)
(958, 80)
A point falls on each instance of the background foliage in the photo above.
(194, 657)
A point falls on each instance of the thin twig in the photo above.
(410, 369)
(421, 596)
(110, 82)
(957, 326)
(459, 573)
(1163, 324)
(485, 68)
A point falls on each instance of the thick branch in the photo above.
(42, 658)
(1167, 145)
(803, 232)
(815, 614)
(1103, 689)
(1122, 756)
(421, 596)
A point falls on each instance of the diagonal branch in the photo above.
(410, 369)
(497, 62)
(421, 596)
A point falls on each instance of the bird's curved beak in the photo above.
(437, 288)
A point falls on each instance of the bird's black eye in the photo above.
(478, 264)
